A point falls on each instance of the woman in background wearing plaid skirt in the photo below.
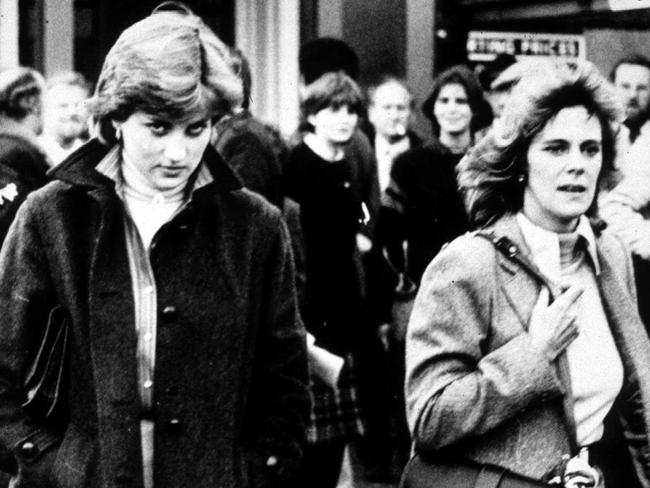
(323, 182)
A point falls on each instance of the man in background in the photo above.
(631, 77)
(390, 108)
(65, 115)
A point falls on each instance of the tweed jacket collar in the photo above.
(516, 254)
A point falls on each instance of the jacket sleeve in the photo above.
(455, 388)
(26, 297)
(624, 216)
(279, 394)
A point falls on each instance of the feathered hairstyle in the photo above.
(463, 76)
(169, 64)
(488, 175)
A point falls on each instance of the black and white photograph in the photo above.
(324, 243)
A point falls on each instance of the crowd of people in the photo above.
(190, 298)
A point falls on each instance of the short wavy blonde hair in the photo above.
(169, 64)
(489, 175)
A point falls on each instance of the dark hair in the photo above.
(488, 174)
(634, 59)
(494, 68)
(461, 75)
(324, 55)
(21, 89)
(331, 90)
(169, 64)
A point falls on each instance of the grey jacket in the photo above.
(475, 385)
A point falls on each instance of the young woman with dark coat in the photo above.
(186, 359)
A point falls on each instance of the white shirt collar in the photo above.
(544, 245)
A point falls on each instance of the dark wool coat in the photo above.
(476, 387)
(231, 370)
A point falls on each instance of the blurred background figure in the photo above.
(316, 58)
(65, 116)
(390, 111)
(324, 182)
(257, 152)
(22, 162)
(631, 77)
(422, 206)
(248, 145)
(390, 108)
(627, 207)
(326, 55)
(422, 209)
(496, 92)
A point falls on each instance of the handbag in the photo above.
(424, 472)
(45, 378)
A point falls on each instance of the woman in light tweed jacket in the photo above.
(525, 342)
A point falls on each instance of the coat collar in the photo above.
(80, 169)
(509, 240)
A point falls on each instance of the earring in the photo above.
(521, 178)
(118, 133)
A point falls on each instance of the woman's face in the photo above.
(166, 152)
(564, 161)
(334, 125)
(451, 109)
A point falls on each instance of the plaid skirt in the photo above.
(335, 413)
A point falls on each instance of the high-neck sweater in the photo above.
(595, 365)
(149, 208)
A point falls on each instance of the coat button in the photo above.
(28, 450)
(175, 426)
(169, 313)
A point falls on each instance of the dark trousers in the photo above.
(321, 465)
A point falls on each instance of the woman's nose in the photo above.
(577, 162)
(176, 148)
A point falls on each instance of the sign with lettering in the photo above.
(485, 46)
(628, 4)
